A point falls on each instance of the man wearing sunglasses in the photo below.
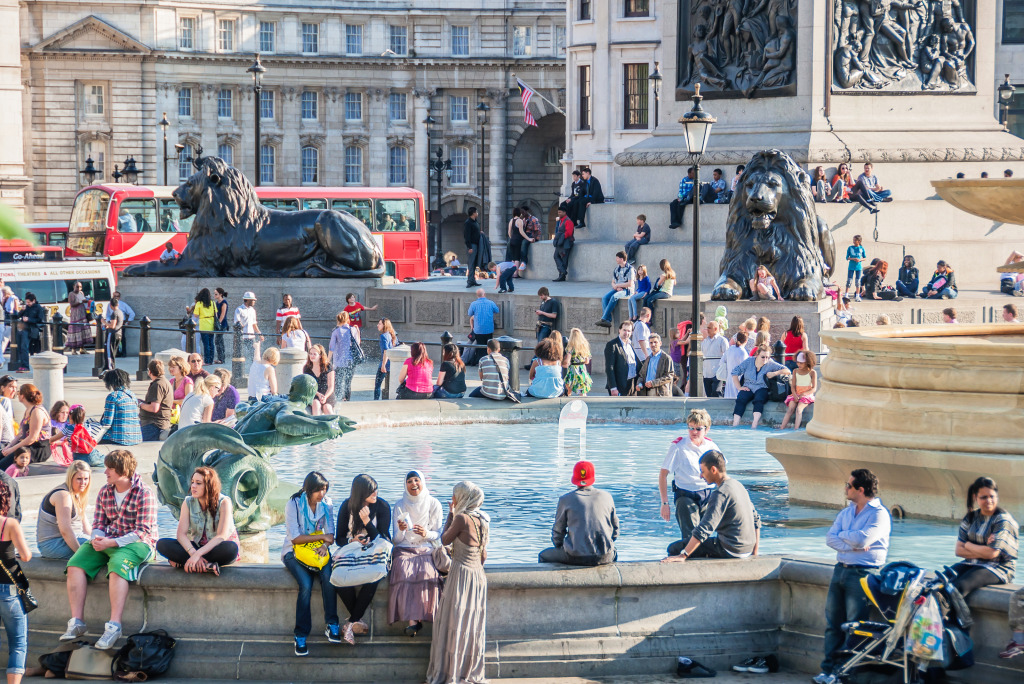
(689, 490)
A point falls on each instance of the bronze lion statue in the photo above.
(773, 222)
(233, 235)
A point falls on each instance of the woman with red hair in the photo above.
(206, 538)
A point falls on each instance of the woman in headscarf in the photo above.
(415, 584)
(457, 651)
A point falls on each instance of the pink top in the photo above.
(14, 471)
(419, 378)
(182, 386)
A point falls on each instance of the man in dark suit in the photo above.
(471, 236)
(591, 194)
(620, 363)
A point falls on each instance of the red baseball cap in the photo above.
(583, 474)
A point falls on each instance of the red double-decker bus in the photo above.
(130, 224)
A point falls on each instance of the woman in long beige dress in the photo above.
(457, 650)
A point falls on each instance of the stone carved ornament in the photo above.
(901, 45)
(741, 47)
(909, 154)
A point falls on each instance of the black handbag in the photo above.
(28, 601)
(778, 388)
(148, 652)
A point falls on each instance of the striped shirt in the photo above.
(977, 528)
(491, 384)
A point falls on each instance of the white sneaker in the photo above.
(76, 628)
(825, 678)
(858, 298)
(111, 633)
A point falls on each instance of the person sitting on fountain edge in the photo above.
(690, 492)
(586, 525)
(729, 512)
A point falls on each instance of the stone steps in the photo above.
(594, 261)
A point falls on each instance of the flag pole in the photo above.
(535, 92)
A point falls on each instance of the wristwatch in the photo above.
(664, 503)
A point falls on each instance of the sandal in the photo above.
(214, 568)
(413, 630)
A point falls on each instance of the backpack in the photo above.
(147, 652)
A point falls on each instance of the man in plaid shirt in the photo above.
(123, 537)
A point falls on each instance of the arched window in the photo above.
(460, 166)
(185, 163)
(353, 165)
(268, 157)
(398, 166)
(310, 164)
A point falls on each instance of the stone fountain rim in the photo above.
(896, 338)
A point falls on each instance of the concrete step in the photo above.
(594, 261)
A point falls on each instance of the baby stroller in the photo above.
(904, 595)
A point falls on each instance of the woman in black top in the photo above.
(451, 377)
(516, 235)
(909, 278)
(220, 321)
(872, 279)
(318, 368)
(363, 517)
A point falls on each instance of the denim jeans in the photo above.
(505, 280)
(908, 289)
(442, 393)
(853, 278)
(219, 343)
(543, 331)
(57, 548)
(634, 303)
(609, 302)
(23, 343)
(944, 292)
(93, 458)
(758, 396)
(151, 432)
(846, 602)
(16, 623)
(378, 385)
(305, 577)
(207, 340)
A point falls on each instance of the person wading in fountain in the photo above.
(690, 492)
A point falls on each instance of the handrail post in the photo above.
(145, 351)
(59, 337)
(12, 326)
(45, 333)
(190, 337)
(779, 351)
(98, 351)
(446, 338)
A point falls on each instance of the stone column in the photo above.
(397, 356)
(376, 118)
(12, 145)
(292, 361)
(496, 181)
(48, 375)
(421, 144)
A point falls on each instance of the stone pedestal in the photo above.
(397, 356)
(818, 316)
(254, 548)
(292, 361)
(48, 375)
(166, 355)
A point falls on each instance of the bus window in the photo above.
(100, 289)
(281, 204)
(314, 204)
(170, 218)
(362, 209)
(89, 215)
(44, 290)
(137, 216)
(58, 239)
(397, 215)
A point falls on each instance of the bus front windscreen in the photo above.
(88, 223)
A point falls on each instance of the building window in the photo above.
(266, 104)
(95, 100)
(1015, 116)
(584, 86)
(458, 107)
(553, 157)
(97, 151)
(187, 33)
(310, 102)
(226, 35)
(353, 106)
(1013, 22)
(354, 165)
(185, 102)
(397, 105)
(184, 163)
(353, 39)
(460, 41)
(224, 108)
(634, 86)
(398, 166)
(399, 39)
(522, 41)
(310, 165)
(268, 36)
(584, 10)
(460, 166)
(267, 158)
(227, 153)
(310, 38)
(560, 40)
(638, 8)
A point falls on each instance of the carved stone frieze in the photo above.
(895, 155)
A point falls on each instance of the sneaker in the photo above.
(111, 633)
(76, 628)
(360, 627)
(347, 635)
(333, 634)
(603, 324)
(745, 665)
(826, 678)
(1012, 650)
(945, 296)
(759, 666)
(300, 647)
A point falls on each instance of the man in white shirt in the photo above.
(690, 491)
(287, 309)
(713, 347)
(640, 340)
(245, 316)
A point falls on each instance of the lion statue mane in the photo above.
(233, 235)
(773, 222)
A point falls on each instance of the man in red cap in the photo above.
(586, 525)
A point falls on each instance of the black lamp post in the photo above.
(439, 171)
(697, 129)
(1006, 90)
(90, 171)
(257, 70)
(655, 79)
(164, 123)
(117, 175)
(481, 114)
(131, 171)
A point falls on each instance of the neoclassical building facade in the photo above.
(345, 98)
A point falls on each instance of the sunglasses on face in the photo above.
(696, 429)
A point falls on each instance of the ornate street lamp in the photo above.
(655, 79)
(481, 114)
(164, 123)
(257, 70)
(90, 171)
(117, 175)
(1006, 91)
(696, 129)
(440, 170)
(131, 171)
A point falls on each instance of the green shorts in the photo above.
(126, 561)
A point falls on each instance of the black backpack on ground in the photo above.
(148, 652)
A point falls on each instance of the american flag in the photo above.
(526, 92)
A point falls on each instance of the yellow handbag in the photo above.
(175, 414)
(307, 555)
